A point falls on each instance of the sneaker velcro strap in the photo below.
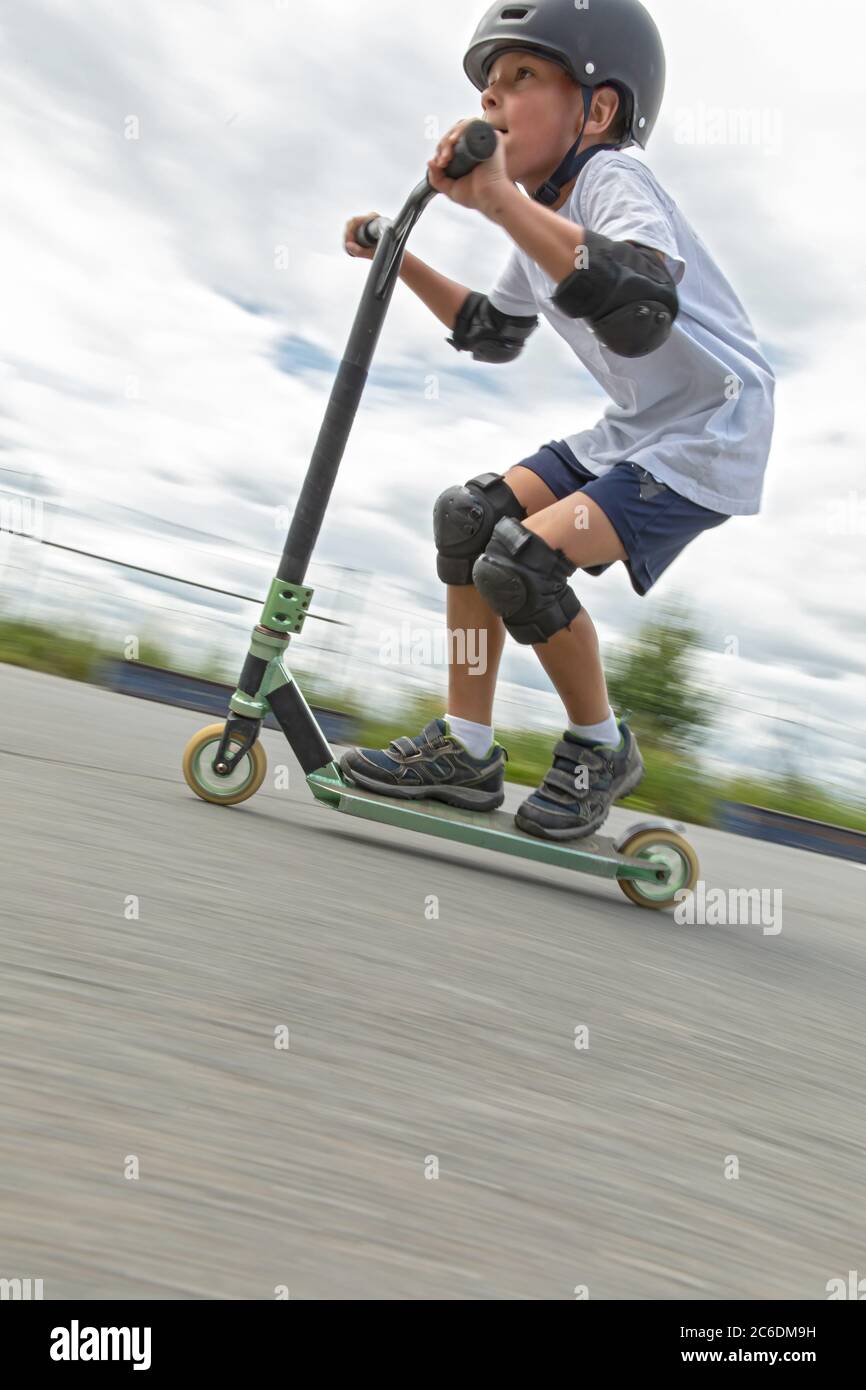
(559, 780)
(432, 734)
(578, 753)
(406, 747)
(578, 804)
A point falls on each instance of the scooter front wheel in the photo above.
(242, 783)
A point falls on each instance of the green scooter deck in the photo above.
(597, 854)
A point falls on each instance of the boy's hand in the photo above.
(479, 189)
(350, 245)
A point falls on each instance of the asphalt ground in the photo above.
(152, 946)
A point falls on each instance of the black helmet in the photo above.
(598, 43)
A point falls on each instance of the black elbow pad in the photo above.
(624, 292)
(487, 333)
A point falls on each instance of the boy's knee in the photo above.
(463, 522)
(524, 580)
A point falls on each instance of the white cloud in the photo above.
(135, 377)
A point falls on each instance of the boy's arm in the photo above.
(621, 289)
(551, 241)
(477, 326)
(442, 296)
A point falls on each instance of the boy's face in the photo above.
(539, 107)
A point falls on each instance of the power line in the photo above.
(756, 695)
(156, 607)
(810, 728)
(160, 574)
(246, 598)
(168, 537)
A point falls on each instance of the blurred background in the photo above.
(177, 300)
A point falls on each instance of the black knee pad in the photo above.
(463, 522)
(524, 581)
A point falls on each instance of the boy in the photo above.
(607, 257)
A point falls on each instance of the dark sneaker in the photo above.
(577, 793)
(434, 765)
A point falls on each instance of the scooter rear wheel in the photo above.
(241, 784)
(666, 848)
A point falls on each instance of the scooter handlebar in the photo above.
(477, 143)
(369, 232)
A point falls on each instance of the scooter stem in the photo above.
(265, 681)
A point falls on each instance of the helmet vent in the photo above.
(513, 13)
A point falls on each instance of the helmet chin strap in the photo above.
(573, 162)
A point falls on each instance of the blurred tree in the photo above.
(657, 677)
(215, 665)
(151, 652)
(40, 648)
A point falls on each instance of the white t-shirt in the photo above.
(698, 412)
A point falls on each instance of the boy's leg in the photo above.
(471, 686)
(419, 767)
(586, 777)
(578, 527)
(479, 632)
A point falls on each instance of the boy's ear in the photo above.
(609, 87)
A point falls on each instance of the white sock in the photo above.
(607, 732)
(477, 738)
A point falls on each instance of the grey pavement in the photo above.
(151, 945)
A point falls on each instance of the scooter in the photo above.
(225, 763)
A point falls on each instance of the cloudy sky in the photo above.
(165, 367)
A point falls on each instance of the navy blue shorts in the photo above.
(653, 522)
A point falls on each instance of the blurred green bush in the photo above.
(674, 785)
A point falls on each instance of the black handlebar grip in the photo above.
(477, 143)
(369, 232)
